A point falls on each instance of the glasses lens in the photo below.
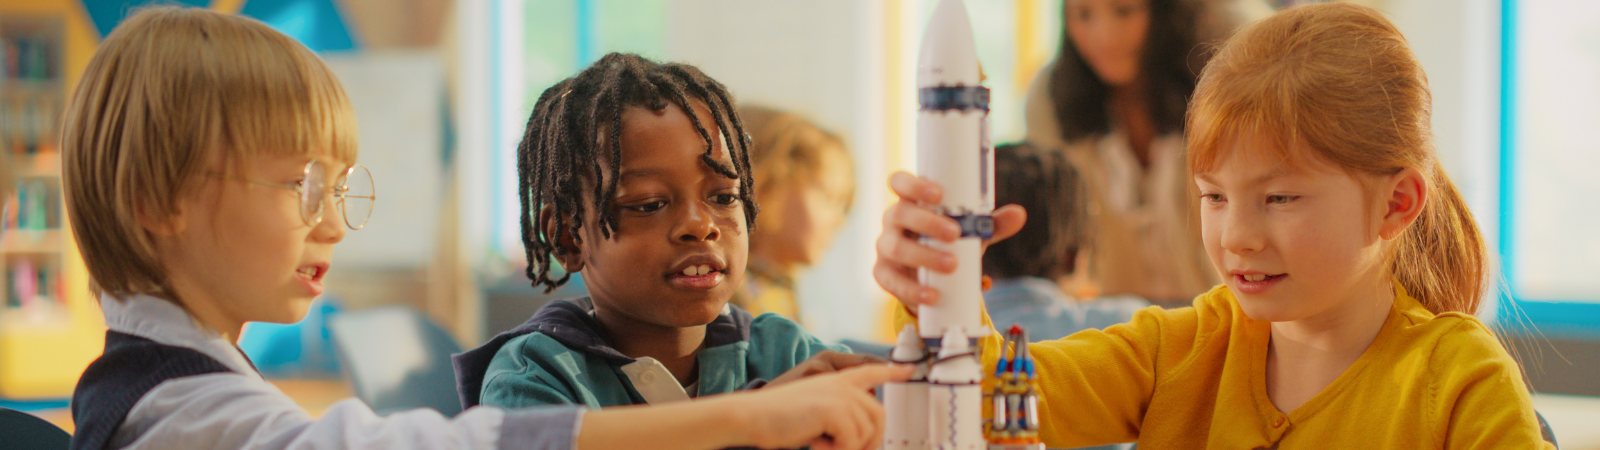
(312, 193)
(358, 197)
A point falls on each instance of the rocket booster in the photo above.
(955, 397)
(953, 150)
(905, 425)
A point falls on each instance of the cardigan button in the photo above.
(1277, 423)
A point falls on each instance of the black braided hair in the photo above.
(1043, 182)
(562, 145)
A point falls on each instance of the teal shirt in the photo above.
(535, 369)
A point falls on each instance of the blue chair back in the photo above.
(25, 431)
(1544, 430)
(397, 359)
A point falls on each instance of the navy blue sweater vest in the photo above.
(130, 367)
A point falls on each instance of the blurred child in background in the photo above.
(805, 183)
(1026, 267)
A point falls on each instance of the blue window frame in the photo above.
(1562, 306)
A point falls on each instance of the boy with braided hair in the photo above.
(635, 175)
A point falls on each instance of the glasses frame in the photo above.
(339, 191)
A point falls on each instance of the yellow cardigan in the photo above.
(1194, 378)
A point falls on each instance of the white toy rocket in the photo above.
(953, 151)
(943, 412)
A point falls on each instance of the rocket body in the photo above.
(941, 408)
(953, 151)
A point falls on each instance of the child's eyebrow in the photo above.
(1275, 173)
(640, 173)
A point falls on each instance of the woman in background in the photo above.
(805, 184)
(1114, 101)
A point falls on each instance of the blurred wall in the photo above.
(825, 60)
(1458, 42)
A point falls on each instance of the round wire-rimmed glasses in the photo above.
(354, 194)
(352, 191)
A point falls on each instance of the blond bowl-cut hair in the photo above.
(171, 94)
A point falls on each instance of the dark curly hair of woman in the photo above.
(1169, 66)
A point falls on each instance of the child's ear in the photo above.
(158, 224)
(566, 251)
(1405, 198)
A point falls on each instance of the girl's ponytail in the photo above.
(1441, 259)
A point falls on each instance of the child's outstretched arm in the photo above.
(832, 411)
(1095, 384)
(223, 411)
(825, 362)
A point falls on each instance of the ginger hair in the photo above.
(1339, 81)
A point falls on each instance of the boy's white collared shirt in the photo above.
(161, 321)
(240, 410)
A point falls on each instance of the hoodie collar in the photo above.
(572, 323)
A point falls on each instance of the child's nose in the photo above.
(1241, 231)
(698, 224)
(332, 228)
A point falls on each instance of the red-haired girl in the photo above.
(1351, 269)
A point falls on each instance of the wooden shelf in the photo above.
(31, 241)
(44, 164)
(48, 86)
(43, 315)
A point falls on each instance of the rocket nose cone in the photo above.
(948, 56)
(953, 343)
(908, 346)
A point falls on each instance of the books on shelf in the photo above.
(31, 104)
(32, 99)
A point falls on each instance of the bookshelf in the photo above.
(30, 103)
(50, 327)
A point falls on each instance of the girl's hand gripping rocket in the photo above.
(899, 252)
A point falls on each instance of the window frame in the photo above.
(1550, 317)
